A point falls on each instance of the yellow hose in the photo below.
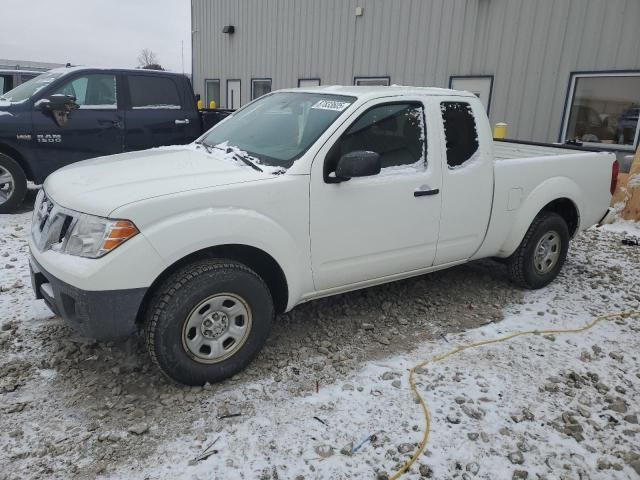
(438, 358)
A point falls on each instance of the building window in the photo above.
(212, 92)
(259, 87)
(153, 92)
(460, 132)
(372, 81)
(480, 85)
(308, 82)
(603, 109)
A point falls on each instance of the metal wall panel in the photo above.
(529, 46)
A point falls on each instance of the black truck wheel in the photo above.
(13, 184)
(542, 252)
(207, 321)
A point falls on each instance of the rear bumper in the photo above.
(103, 315)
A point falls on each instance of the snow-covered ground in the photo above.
(562, 406)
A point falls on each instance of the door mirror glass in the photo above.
(361, 163)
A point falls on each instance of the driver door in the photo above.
(95, 129)
(373, 227)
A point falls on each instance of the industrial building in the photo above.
(552, 69)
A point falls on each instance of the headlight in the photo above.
(94, 237)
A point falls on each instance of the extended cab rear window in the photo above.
(149, 92)
(460, 132)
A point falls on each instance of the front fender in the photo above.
(176, 237)
(551, 189)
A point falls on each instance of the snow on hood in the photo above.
(100, 185)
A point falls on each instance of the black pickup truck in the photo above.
(71, 114)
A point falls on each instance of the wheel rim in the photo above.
(7, 185)
(216, 328)
(547, 252)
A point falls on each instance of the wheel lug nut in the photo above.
(208, 333)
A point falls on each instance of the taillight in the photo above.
(615, 169)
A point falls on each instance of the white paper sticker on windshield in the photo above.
(330, 105)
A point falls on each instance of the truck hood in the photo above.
(100, 185)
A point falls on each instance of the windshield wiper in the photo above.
(206, 146)
(237, 156)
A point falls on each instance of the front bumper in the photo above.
(103, 315)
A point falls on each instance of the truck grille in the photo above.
(50, 223)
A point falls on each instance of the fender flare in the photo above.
(221, 226)
(555, 188)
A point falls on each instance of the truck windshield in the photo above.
(278, 129)
(27, 89)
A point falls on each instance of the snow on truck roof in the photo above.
(66, 70)
(377, 91)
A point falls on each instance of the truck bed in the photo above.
(511, 149)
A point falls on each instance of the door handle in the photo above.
(111, 123)
(182, 122)
(425, 193)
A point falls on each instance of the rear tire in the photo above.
(207, 321)
(542, 252)
(13, 184)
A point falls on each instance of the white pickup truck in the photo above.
(301, 194)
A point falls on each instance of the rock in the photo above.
(425, 471)
(473, 436)
(384, 340)
(138, 428)
(520, 475)
(367, 326)
(347, 449)
(616, 356)
(475, 413)
(603, 464)
(388, 376)
(635, 464)
(584, 411)
(460, 400)
(453, 419)
(396, 384)
(602, 388)
(473, 468)
(516, 458)
(382, 476)
(324, 351)
(631, 419)
(324, 451)
(405, 448)
(347, 387)
(552, 387)
(618, 406)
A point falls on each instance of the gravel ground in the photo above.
(73, 408)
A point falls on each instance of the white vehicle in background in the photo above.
(301, 194)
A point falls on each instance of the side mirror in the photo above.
(361, 163)
(59, 105)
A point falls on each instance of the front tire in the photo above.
(542, 252)
(207, 321)
(13, 184)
